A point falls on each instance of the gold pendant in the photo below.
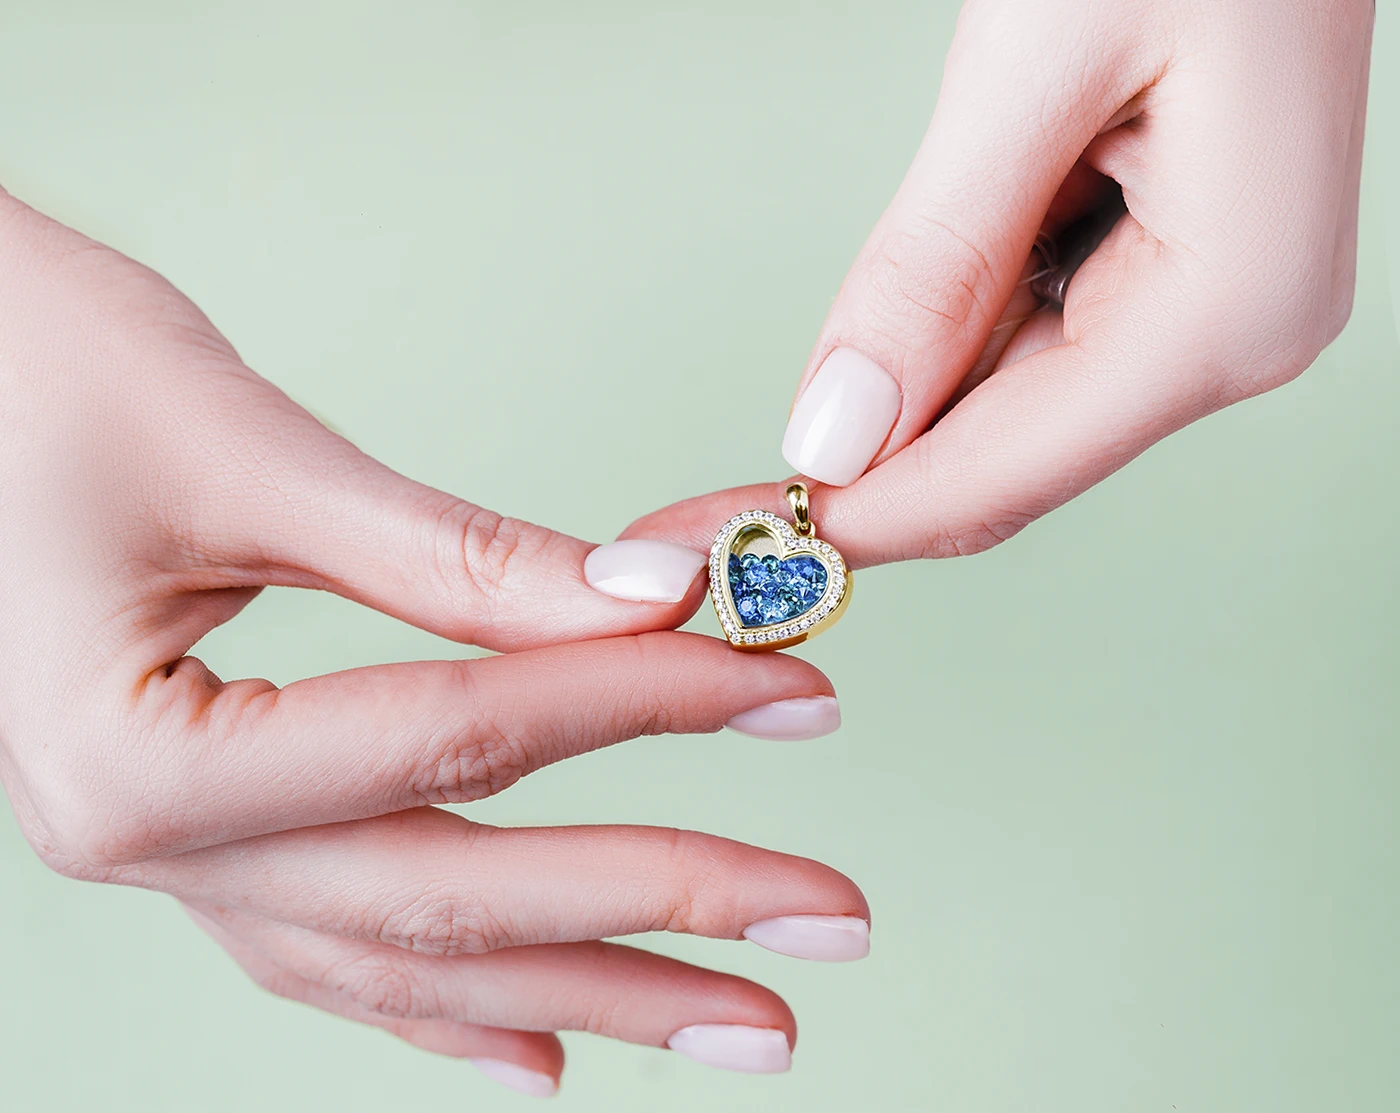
(773, 584)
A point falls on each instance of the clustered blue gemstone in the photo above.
(768, 590)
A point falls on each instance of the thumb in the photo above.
(1023, 95)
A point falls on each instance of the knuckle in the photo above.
(125, 787)
(438, 923)
(593, 1006)
(89, 821)
(700, 901)
(478, 551)
(66, 858)
(661, 699)
(599, 1016)
(380, 983)
(973, 536)
(488, 544)
(928, 279)
(51, 831)
(480, 759)
(1271, 345)
(106, 840)
(1274, 364)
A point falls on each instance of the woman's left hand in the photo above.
(940, 409)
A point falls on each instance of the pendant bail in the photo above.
(801, 513)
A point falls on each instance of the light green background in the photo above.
(1123, 793)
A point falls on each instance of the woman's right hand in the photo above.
(152, 486)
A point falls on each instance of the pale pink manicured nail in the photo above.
(789, 720)
(819, 938)
(643, 571)
(842, 418)
(734, 1047)
(515, 1077)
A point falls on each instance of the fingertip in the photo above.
(814, 938)
(817, 889)
(527, 1062)
(756, 1006)
(842, 418)
(775, 695)
(694, 521)
(734, 1047)
(513, 1076)
(796, 719)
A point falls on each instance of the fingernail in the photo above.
(842, 418)
(515, 1077)
(789, 720)
(819, 938)
(734, 1047)
(643, 571)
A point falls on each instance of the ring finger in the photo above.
(529, 1062)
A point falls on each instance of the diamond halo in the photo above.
(779, 634)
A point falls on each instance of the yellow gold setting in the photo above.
(764, 533)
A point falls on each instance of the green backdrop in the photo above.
(1123, 793)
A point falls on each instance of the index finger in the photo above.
(1032, 436)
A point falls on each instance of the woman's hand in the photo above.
(152, 485)
(943, 411)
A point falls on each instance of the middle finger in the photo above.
(604, 988)
(248, 759)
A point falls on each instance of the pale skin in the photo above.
(1235, 133)
(153, 484)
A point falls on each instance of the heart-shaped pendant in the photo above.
(772, 585)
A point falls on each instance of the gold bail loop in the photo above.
(801, 516)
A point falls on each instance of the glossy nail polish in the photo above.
(818, 938)
(643, 571)
(515, 1077)
(789, 720)
(842, 418)
(734, 1047)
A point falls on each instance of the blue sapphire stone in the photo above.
(768, 590)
